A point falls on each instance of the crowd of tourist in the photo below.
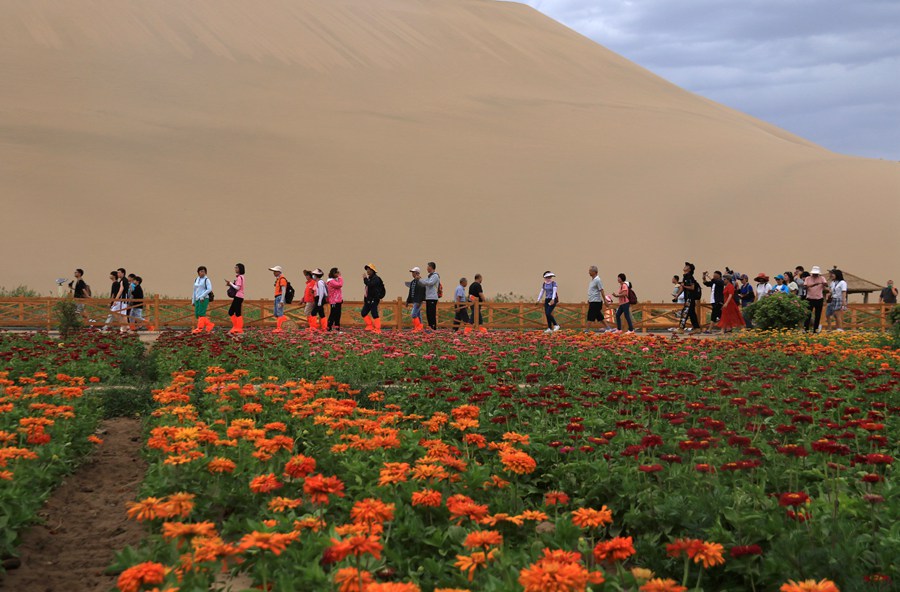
(729, 293)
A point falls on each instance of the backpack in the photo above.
(289, 293)
(383, 291)
(87, 291)
(632, 297)
(211, 295)
(440, 290)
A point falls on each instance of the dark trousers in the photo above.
(334, 316)
(318, 310)
(624, 309)
(431, 313)
(716, 314)
(236, 307)
(480, 315)
(689, 312)
(370, 307)
(549, 305)
(462, 316)
(815, 312)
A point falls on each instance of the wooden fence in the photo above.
(162, 313)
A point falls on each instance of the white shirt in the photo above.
(762, 289)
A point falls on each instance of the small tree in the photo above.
(777, 311)
(68, 317)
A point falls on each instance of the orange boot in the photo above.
(278, 323)
(468, 329)
(417, 325)
(239, 324)
(482, 329)
(378, 325)
(201, 323)
(234, 324)
(323, 324)
(368, 321)
(313, 323)
(209, 325)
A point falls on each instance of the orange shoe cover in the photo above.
(368, 321)
(378, 325)
(209, 325)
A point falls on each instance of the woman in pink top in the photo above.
(335, 285)
(236, 291)
(624, 305)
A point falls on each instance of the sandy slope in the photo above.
(159, 135)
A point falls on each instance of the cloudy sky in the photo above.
(826, 70)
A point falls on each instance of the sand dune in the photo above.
(163, 135)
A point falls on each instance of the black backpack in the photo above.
(289, 293)
(632, 297)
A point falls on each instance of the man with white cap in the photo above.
(416, 297)
(316, 319)
(815, 296)
(550, 298)
(281, 291)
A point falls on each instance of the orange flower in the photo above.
(709, 554)
(617, 549)
(690, 547)
(319, 487)
(809, 586)
(554, 498)
(483, 538)
(149, 508)
(180, 504)
(472, 562)
(299, 466)
(265, 483)
(393, 473)
(95, 440)
(393, 587)
(220, 465)
(283, 504)
(558, 571)
(661, 585)
(590, 518)
(516, 461)
(462, 506)
(426, 497)
(133, 578)
(356, 546)
(348, 579)
(275, 542)
(177, 530)
(372, 511)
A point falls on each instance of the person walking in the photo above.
(80, 290)
(815, 296)
(731, 312)
(691, 290)
(837, 300)
(888, 294)
(236, 293)
(416, 296)
(121, 306)
(200, 300)
(747, 296)
(373, 294)
(476, 294)
(624, 308)
(113, 294)
(309, 294)
(549, 295)
(461, 309)
(596, 298)
(716, 295)
(281, 291)
(433, 293)
(316, 319)
(137, 302)
(335, 287)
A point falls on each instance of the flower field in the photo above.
(513, 461)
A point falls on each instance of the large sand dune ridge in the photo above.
(483, 135)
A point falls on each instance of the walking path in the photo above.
(84, 522)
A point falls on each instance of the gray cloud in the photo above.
(826, 70)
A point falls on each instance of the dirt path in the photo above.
(84, 520)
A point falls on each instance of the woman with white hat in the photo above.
(550, 297)
(316, 317)
(815, 288)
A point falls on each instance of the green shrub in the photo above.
(19, 292)
(777, 311)
(68, 317)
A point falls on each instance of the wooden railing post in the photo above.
(156, 323)
(398, 313)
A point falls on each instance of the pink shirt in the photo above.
(623, 289)
(335, 292)
(238, 284)
(814, 287)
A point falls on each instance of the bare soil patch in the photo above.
(84, 520)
